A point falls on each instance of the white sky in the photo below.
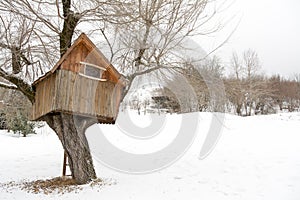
(270, 27)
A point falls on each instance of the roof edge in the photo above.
(82, 37)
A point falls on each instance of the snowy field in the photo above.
(256, 158)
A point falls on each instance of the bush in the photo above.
(15, 111)
(3, 124)
(19, 124)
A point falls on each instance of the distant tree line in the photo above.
(247, 90)
(263, 95)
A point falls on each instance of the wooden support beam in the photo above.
(64, 164)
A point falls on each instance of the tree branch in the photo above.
(6, 86)
(24, 87)
(109, 44)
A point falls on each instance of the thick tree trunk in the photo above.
(71, 131)
(71, 20)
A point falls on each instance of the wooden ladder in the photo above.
(65, 164)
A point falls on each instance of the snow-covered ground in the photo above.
(256, 158)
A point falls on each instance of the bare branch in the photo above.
(58, 10)
(109, 44)
(24, 87)
(6, 86)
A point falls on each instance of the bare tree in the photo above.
(234, 85)
(288, 94)
(152, 34)
(235, 93)
(205, 78)
(236, 66)
(248, 89)
(34, 34)
(251, 67)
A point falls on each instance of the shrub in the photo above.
(20, 124)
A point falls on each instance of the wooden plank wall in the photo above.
(45, 92)
(66, 91)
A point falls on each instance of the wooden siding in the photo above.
(83, 50)
(81, 53)
(67, 91)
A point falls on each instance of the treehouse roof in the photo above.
(90, 48)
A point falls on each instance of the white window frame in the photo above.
(91, 65)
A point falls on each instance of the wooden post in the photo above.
(64, 164)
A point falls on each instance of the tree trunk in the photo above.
(71, 131)
(239, 109)
(71, 20)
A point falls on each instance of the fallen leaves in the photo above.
(58, 185)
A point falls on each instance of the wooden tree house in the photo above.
(83, 82)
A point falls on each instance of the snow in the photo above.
(256, 158)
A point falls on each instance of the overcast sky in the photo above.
(270, 27)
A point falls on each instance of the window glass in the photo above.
(92, 71)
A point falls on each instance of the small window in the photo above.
(92, 71)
